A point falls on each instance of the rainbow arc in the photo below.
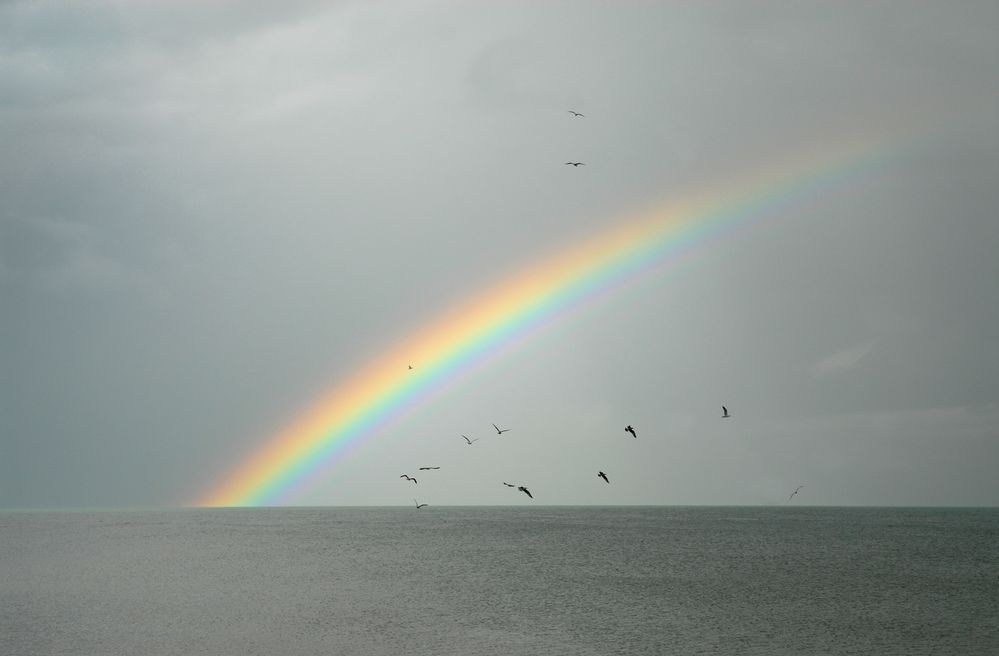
(357, 408)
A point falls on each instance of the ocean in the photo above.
(501, 580)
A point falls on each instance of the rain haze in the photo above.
(213, 213)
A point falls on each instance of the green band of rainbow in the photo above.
(463, 338)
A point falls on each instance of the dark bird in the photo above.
(629, 429)
(603, 476)
(470, 441)
(795, 491)
(418, 504)
(408, 478)
(410, 366)
(575, 163)
(525, 491)
(499, 431)
(426, 468)
(509, 484)
(577, 114)
(725, 414)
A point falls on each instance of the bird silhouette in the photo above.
(470, 441)
(603, 476)
(795, 491)
(500, 431)
(629, 429)
(426, 468)
(410, 366)
(509, 484)
(577, 114)
(525, 491)
(725, 414)
(408, 478)
(575, 164)
(418, 504)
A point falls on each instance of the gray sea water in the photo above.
(537, 580)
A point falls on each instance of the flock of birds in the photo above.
(523, 488)
(499, 431)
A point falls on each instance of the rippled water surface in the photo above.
(501, 581)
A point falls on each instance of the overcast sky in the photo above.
(211, 212)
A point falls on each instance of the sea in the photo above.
(501, 580)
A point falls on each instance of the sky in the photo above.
(213, 213)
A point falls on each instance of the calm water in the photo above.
(501, 581)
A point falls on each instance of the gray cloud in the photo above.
(210, 213)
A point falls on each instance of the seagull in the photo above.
(575, 164)
(425, 468)
(629, 429)
(577, 114)
(725, 414)
(603, 476)
(418, 504)
(470, 441)
(509, 484)
(408, 478)
(525, 491)
(795, 491)
(500, 432)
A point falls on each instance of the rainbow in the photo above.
(487, 325)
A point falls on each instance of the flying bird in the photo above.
(603, 476)
(575, 164)
(410, 366)
(509, 484)
(795, 491)
(629, 429)
(470, 441)
(418, 504)
(499, 431)
(725, 414)
(426, 468)
(408, 478)
(525, 491)
(577, 114)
